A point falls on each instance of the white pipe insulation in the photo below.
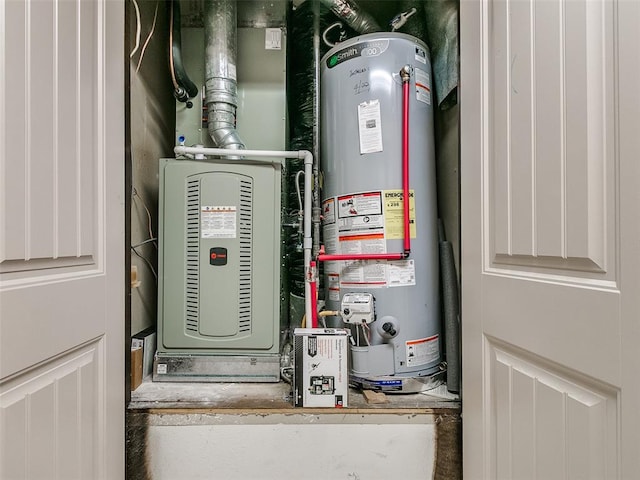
(308, 182)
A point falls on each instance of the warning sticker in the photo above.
(394, 214)
(333, 279)
(329, 210)
(422, 351)
(423, 86)
(330, 235)
(218, 221)
(370, 127)
(367, 243)
(369, 203)
(364, 222)
(401, 273)
(421, 55)
(363, 272)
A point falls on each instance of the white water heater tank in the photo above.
(361, 145)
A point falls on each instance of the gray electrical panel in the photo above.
(219, 272)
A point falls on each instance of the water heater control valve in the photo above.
(357, 308)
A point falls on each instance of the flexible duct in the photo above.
(220, 27)
(353, 15)
(184, 88)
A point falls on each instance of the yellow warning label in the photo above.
(394, 214)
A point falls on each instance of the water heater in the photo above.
(391, 306)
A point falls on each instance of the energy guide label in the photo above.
(218, 221)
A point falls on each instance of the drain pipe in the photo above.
(220, 33)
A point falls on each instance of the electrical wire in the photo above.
(171, 67)
(144, 47)
(149, 224)
(146, 260)
(298, 175)
(149, 240)
(326, 31)
(138, 28)
(367, 333)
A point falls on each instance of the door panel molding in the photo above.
(55, 407)
(51, 208)
(62, 256)
(550, 188)
(551, 165)
(548, 421)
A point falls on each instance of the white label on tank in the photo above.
(162, 369)
(421, 55)
(362, 223)
(359, 272)
(218, 221)
(232, 71)
(370, 127)
(401, 273)
(330, 234)
(423, 86)
(422, 351)
(273, 39)
(329, 210)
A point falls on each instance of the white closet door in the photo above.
(550, 112)
(61, 239)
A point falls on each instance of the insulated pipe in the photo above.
(353, 15)
(220, 33)
(308, 179)
(405, 74)
(184, 88)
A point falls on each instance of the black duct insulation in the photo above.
(301, 90)
(451, 311)
(186, 88)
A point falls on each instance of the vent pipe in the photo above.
(351, 13)
(220, 33)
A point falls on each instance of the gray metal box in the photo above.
(219, 274)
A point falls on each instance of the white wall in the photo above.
(152, 130)
(300, 446)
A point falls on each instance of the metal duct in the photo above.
(353, 15)
(220, 30)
